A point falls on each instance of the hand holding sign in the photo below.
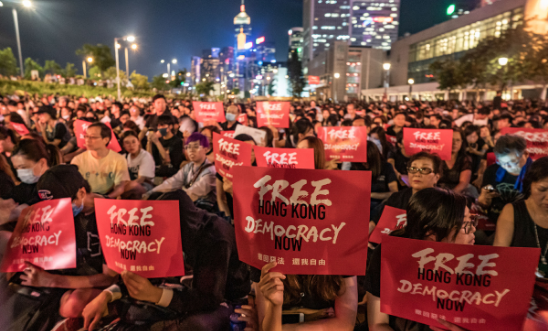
(271, 285)
(140, 288)
(36, 277)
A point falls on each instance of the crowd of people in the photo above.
(167, 155)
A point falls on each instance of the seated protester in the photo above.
(231, 116)
(187, 126)
(218, 276)
(165, 147)
(8, 140)
(31, 158)
(378, 136)
(115, 111)
(503, 182)
(383, 178)
(300, 129)
(332, 120)
(160, 108)
(399, 159)
(135, 116)
(140, 165)
(224, 185)
(457, 172)
(425, 170)
(53, 132)
(196, 178)
(269, 139)
(105, 170)
(208, 131)
(7, 179)
(399, 123)
(476, 147)
(524, 223)
(319, 150)
(434, 215)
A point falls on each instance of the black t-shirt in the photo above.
(174, 146)
(59, 132)
(505, 188)
(390, 131)
(6, 185)
(25, 193)
(379, 184)
(476, 159)
(451, 177)
(400, 160)
(151, 121)
(231, 128)
(398, 200)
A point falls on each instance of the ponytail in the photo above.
(54, 154)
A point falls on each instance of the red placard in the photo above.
(273, 113)
(21, 129)
(208, 111)
(305, 220)
(313, 80)
(474, 287)
(289, 158)
(391, 219)
(491, 159)
(229, 134)
(435, 141)
(242, 119)
(230, 153)
(143, 237)
(344, 143)
(44, 236)
(537, 140)
(80, 128)
(393, 140)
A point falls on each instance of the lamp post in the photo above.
(89, 60)
(116, 47)
(386, 66)
(336, 75)
(26, 4)
(410, 81)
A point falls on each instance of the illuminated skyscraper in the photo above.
(296, 42)
(243, 27)
(375, 23)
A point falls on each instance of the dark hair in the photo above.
(464, 144)
(319, 151)
(5, 133)
(166, 120)
(158, 96)
(211, 128)
(119, 105)
(433, 211)
(332, 120)
(106, 132)
(374, 160)
(436, 161)
(35, 150)
(301, 126)
(129, 124)
(471, 129)
(366, 120)
(244, 137)
(269, 136)
(509, 143)
(536, 172)
(386, 146)
(129, 134)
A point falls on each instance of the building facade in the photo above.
(296, 42)
(375, 23)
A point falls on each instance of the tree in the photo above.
(30, 65)
(102, 57)
(180, 78)
(8, 64)
(204, 88)
(69, 71)
(159, 83)
(52, 67)
(271, 90)
(140, 82)
(296, 78)
(110, 73)
(447, 73)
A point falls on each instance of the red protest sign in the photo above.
(304, 220)
(230, 153)
(80, 128)
(537, 140)
(344, 143)
(208, 111)
(391, 219)
(537, 317)
(21, 129)
(242, 119)
(143, 237)
(474, 287)
(393, 140)
(273, 113)
(289, 158)
(44, 236)
(228, 134)
(435, 141)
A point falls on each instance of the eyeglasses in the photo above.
(467, 226)
(511, 163)
(423, 171)
(193, 147)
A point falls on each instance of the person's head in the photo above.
(64, 181)
(8, 139)
(319, 151)
(165, 125)
(535, 183)
(472, 134)
(91, 117)
(159, 103)
(232, 113)
(439, 215)
(197, 146)
(124, 116)
(30, 159)
(301, 129)
(374, 160)
(424, 170)
(130, 142)
(459, 143)
(269, 140)
(399, 119)
(511, 153)
(116, 109)
(332, 120)
(97, 136)
(208, 131)
(66, 113)
(485, 132)
(505, 121)
(351, 109)
(46, 113)
(435, 120)
(134, 111)
(248, 140)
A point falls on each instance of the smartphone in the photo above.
(292, 318)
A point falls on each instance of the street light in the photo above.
(174, 61)
(336, 75)
(26, 4)
(89, 60)
(386, 66)
(130, 38)
(134, 47)
(188, 74)
(410, 81)
(503, 61)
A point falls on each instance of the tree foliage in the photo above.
(70, 70)
(52, 67)
(204, 88)
(8, 64)
(30, 65)
(159, 83)
(295, 72)
(102, 57)
(140, 82)
(180, 78)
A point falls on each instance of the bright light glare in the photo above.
(27, 3)
(162, 61)
(503, 61)
(90, 59)
(130, 39)
(386, 66)
(1, 4)
(134, 46)
(165, 75)
(337, 75)
(410, 81)
(174, 61)
(188, 74)
(118, 46)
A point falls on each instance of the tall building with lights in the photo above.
(242, 29)
(296, 42)
(374, 23)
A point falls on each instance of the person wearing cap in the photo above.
(105, 170)
(91, 275)
(54, 132)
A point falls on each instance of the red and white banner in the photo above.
(44, 236)
(80, 128)
(288, 158)
(273, 113)
(228, 134)
(208, 111)
(474, 287)
(435, 141)
(537, 140)
(230, 153)
(344, 143)
(313, 80)
(305, 220)
(242, 119)
(393, 140)
(141, 236)
(391, 219)
(21, 129)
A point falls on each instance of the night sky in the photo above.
(165, 29)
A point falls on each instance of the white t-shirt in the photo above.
(141, 166)
(140, 121)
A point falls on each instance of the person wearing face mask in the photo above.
(53, 131)
(165, 147)
(231, 116)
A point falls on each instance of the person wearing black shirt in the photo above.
(165, 147)
(398, 158)
(497, 100)
(458, 170)
(53, 132)
(399, 123)
(160, 108)
(115, 112)
(231, 119)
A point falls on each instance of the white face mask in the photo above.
(27, 176)
(66, 117)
